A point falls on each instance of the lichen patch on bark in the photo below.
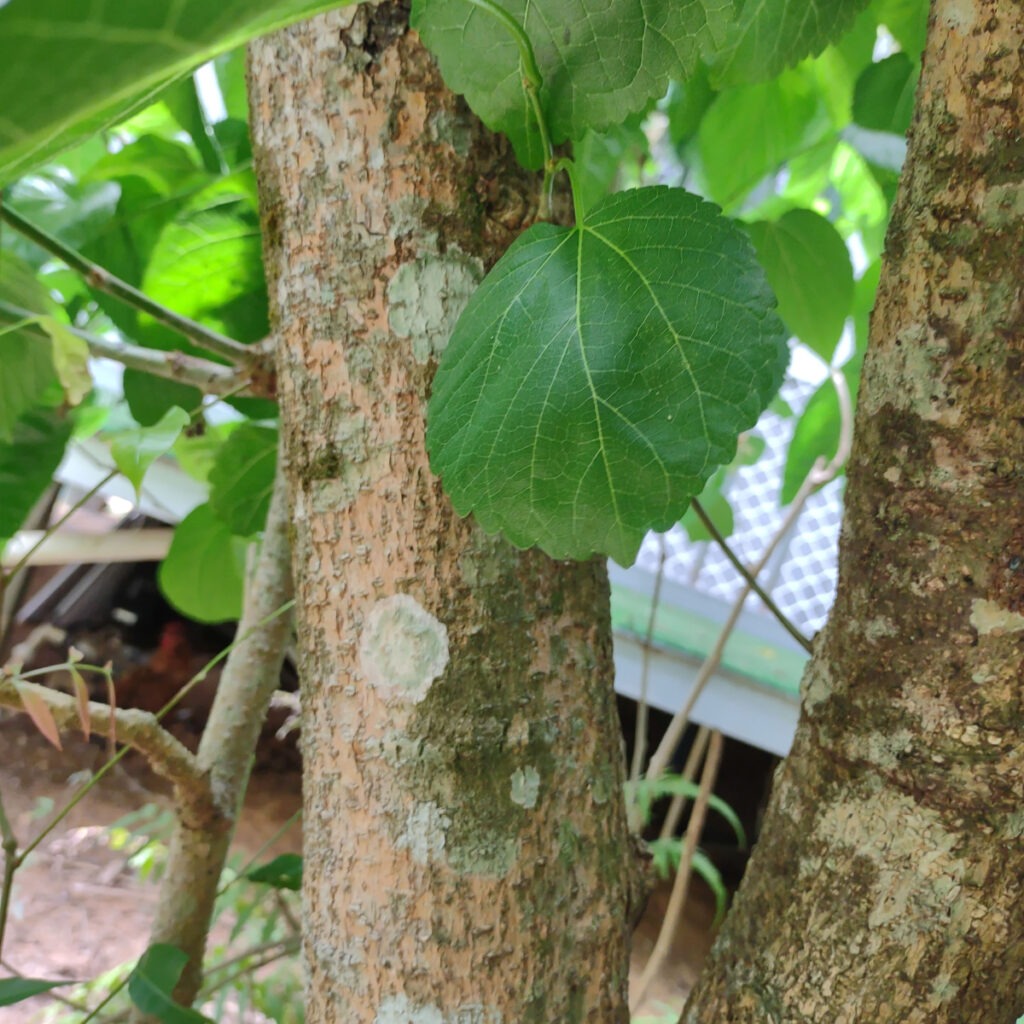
(403, 648)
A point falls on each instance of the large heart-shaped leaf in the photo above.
(151, 985)
(599, 62)
(69, 69)
(242, 478)
(602, 372)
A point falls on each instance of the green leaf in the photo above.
(151, 398)
(808, 267)
(152, 982)
(599, 160)
(770, 35)
(907, 20)
(69, 69)
(28, 463)
(16, 990)
(242, 478)
(883, 99)
(601, 373)
(283, 872)
(751, 130)
(864, 292)
(197, 453)
(204, 570)
(182, 100)
(716, 506)
(817, 431)
(28, 378)
(70, 356)
(599, 62)
(685, 105)
(208, 265)
(134, 451)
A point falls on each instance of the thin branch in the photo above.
(137, 729)
(11, 864)
(756, 587)
(682, 882)
(211, 378)
(98, 277)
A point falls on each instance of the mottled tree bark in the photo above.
(887, 885)
(466, 852)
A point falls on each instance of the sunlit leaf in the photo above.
(808, 267)
(70, 360)
(134, 451)
(67, 70)
(599, 62)
(749, 131)
(28, 378)
(243, 477)
(907, 20)
(204, 569)
(152, 982)
(716, 507)
(601, 373)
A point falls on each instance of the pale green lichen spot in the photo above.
(403, 648)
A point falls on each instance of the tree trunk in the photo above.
(466, 851)
(887, 884)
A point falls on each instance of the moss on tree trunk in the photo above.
(887, 884)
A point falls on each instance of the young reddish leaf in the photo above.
(81, 700)
(39, 711)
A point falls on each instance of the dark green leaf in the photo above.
(601, 373)
(599, 62)
(284, 872)
(817, 432)
(134, 451)
(69, 69)
(150, 398)
(152, 981)
(770, 35)
(16, 990)
(808, 267)
(203, 572)
(751, 130)
(884, 97)
(599, 159)
(243, 477)
(864, 302)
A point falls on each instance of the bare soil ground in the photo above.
(80, 909)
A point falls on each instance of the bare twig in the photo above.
(682, 881)
(98, 277)
(211, 378)
(140, 730)
(756, 587)
(11, 861)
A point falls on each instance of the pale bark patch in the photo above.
(525, 787)
(424, 833)
(403, 648)
(401, 1010)
(989, 617)
(426, 297)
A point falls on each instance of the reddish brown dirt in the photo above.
(79, 909)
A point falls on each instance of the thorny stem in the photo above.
(98, 277)
(212, 378)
